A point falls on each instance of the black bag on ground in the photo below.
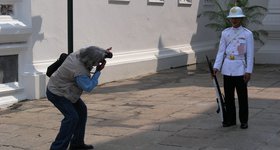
(54, 66)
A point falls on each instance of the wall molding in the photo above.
(143, 55)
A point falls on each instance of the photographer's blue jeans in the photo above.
(72, 127)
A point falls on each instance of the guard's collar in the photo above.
(240, 27)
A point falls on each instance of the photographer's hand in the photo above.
(101, 65)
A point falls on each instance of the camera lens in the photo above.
(108, 55)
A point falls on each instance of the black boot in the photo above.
(81, 147)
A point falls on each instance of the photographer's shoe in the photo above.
(81, 147)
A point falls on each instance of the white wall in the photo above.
(127, 27)
(133, 26)
(145, 37)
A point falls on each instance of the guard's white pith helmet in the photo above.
(235, 12)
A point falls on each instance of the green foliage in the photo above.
(219, 21)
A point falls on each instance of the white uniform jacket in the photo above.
(235, 56)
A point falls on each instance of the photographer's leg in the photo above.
(68, 124)
(77, 141)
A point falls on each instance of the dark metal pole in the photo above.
(70, 25)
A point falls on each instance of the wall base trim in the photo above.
(10, 93)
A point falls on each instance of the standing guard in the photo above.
(235, 61)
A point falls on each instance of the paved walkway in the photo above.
(171, 110)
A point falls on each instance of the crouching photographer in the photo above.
(65, 88)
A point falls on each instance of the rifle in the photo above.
(220, 97)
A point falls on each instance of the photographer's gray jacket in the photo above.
(63, 83)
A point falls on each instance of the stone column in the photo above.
(270, 52)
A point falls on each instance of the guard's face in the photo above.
(236, 22)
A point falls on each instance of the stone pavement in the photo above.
(170, 110)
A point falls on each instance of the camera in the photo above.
(108, 55)
(101, 64)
